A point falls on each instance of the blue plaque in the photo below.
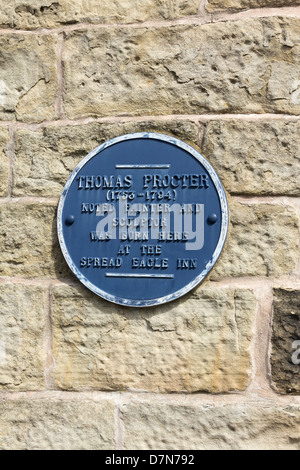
(142, 219)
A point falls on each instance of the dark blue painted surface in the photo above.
(76, 227)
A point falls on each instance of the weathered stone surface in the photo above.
(285, 358)
(247, 4)
(255, 157)
(246, 66)
(22, 357)
(233, 427)
(45, 159)
(53, 424)
(198, 343)
(4, 161)
(28, 241)
(28, 83)
(25, 14)
(263, 241)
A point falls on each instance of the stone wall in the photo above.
(219, 368)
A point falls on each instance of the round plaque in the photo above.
(142, 219)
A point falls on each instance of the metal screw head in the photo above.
(70, 219)
(212, 219)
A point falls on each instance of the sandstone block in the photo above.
(263, 241)
(45, 159)
(246, 66)
(28, 83)
(214, 5)
(22, 356)
(25, 14)
(285, 358)
(258, 158)
(232, 427)
(53, 424)
(4, 161)
(28, 241)
(198, 343)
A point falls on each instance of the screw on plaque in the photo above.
(70, 219)
(212, 219)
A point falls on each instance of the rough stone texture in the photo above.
(52, 424)
(28, 83)
(260, 158)
(45, 159)
(246, 4)
(22, 357)
(4, 161)
(246, 66)
(198, 343)
(205, 341)
(234, 427)
(263, 241)
(286, 331)
(28, 241)
(26, 14)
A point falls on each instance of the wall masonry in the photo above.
(237, 5)
(219, 368)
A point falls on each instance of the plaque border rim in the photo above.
(219, 248)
